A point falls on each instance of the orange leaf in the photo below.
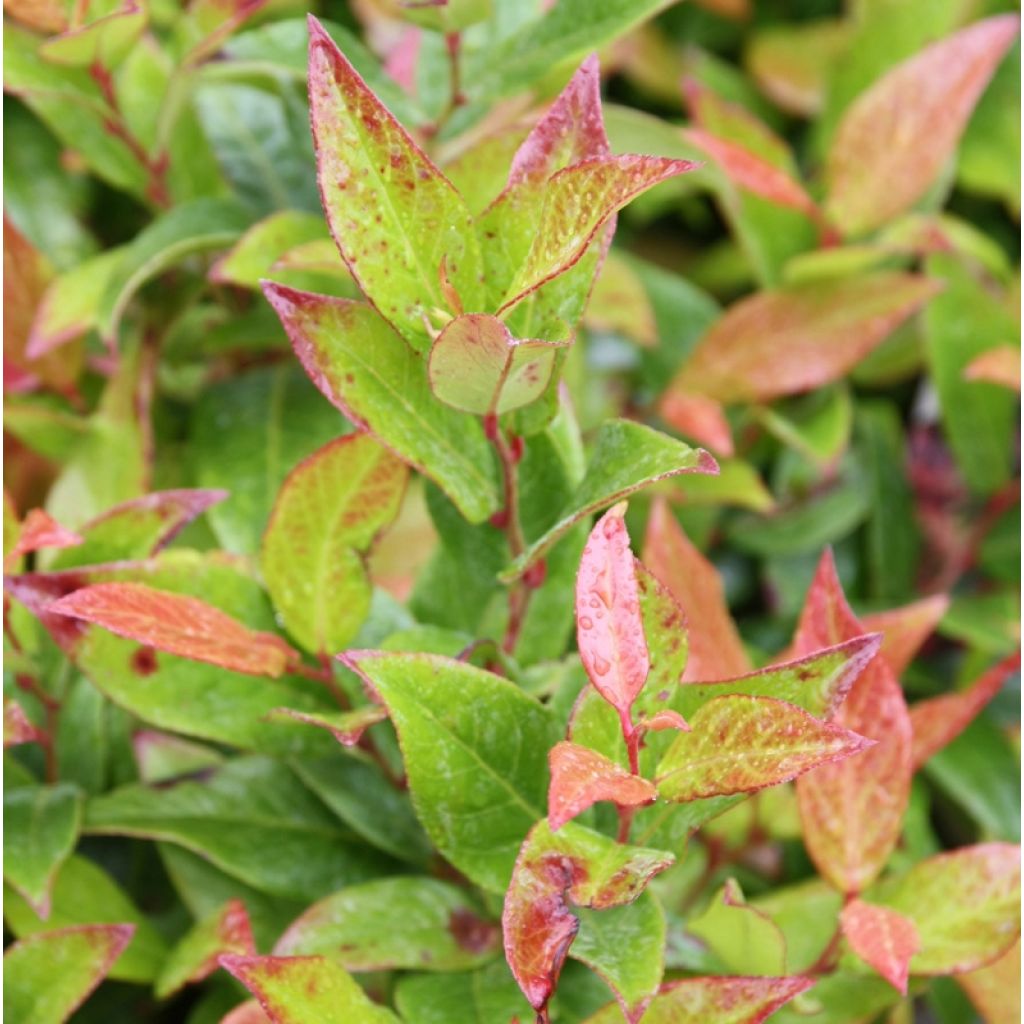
(882, 938)
(905, 629)
(995, 989)
(698, 417)
(998, 365)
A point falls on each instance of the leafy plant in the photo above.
(342, 706)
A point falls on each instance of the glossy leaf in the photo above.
(883, 938)
(368, 372)
(395, 923)
(177, 624)
(887, 152)
(38, 532)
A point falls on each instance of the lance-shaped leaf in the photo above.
(395, 217)
(883, 938)
(999, 365)
(296, 990)
(722, 1000)
(347, 727)
(609, 626)
(800, 337)
(39, 531)
(853, 811)
(475, 749)
(626, 457)
(477, 366)
(938, 721)
(395, 923)
(895, 138)
(580, 777)
(197, 955)
(365, 369)
(716, 651)
(904, 630)
(965, 905)
(40, 830)
(47, 976)
(330, 507)
(178, 624)
(576, 866)
(137, 528)
(995, 988)
(17, 728)
(744, 938)
(740, 744)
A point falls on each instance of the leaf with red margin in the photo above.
(716, 651)
(965, 905)
(853, 811)
(47, 976)
(137, 528)
(302, 989)
(580, 777)
(799, 337)
(882, 938)
(722, 1000)
(347, 727)
(39, 531)
(197, 955)
(999, 365)
(17, 728)
(177, 624)
(367, 371)
(578, 867)
(938, 721)
(740, 744)
(609, 626)
(393, 214)
(904, 630)
(995, 988)
(896, 137)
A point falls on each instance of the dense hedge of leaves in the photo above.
(421, 608)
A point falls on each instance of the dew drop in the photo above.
(611, 527)
(600, 665)
(586, 623)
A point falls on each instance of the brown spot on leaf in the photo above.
(144, 661)
(472, 933)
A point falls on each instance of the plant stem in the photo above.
(632, 737)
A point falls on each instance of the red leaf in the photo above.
(716, 651)
(580, 777)
(938, 721)
(896, 137)
(39, 531)
(883, 938)
(609, 627)
(697, 417)
(853, 811)
(905, 629)
(17, 728)
(178, 624)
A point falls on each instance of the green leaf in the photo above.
(47, 976)
(40, 829)
(256, 252)
(477, 765)
(626, 457)
(395, 923)
(252, 818)
(102, 40)
(841, 998)
(368, 372)
(744, 938)
(481, 997)
(330, 508)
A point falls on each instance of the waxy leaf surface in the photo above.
(895, 138)
(330, 507)
(393, 214)
(883, 938)
(395, 923)
(368, 372)
(744, 938)
(475, 749)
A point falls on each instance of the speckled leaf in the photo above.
(625, 458)
(40, 829)
(580, 777)
(368, 372)
(330, 508)
(394, 215)
(723, 1000)
(576, 866)
(177, 624)
(882, 938)
(965, 905)
(853, 811)
(888, 151)
(395, 923)
(740, 744)
(196, 956)
(38, 532)
(904, 630)
(477, 765)
(49, 975)
(938, 721)
(298, 990)
(799, 337)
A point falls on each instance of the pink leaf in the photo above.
(699, 418)
(883, 938)
(39, 531)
